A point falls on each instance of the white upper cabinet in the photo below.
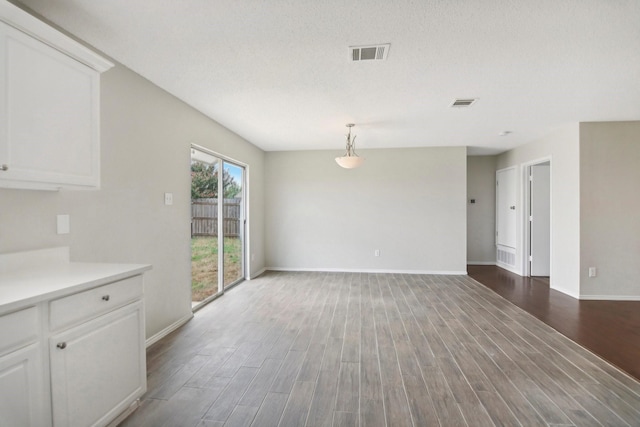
(49, 106)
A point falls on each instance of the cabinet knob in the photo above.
(4, 168)
(62, 345)
(105, 298)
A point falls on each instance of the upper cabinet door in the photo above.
(49, 115)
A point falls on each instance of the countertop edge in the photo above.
(118, 272)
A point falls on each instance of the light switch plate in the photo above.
(168, 198)
(63, 224)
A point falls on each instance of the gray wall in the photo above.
(610, 209)
(146, 136)
(481, 215)
(562, 146)
(594, 205)
(408, 203)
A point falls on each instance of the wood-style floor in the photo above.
(349, 349)
(611, 329)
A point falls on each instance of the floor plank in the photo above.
(365, 349)
(610, 329)
(271, 410)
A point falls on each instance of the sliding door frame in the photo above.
(244, 225)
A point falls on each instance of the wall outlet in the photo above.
(593, 272)
(168, 198)
(376, 252)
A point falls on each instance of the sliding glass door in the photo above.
(217, 225)
(233, 220)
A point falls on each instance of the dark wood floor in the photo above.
(610, 329)
(351, 349)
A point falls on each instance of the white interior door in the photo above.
(506, 181)
(540, 219)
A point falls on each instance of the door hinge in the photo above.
(530, 258)
(530, 218)
(530, 177)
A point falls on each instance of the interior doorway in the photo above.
(217, 225)
(539, 221)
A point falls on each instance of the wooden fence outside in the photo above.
(204, 217)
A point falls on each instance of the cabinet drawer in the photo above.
(93, 302)
(18, 329)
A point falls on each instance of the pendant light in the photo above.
(350, 159)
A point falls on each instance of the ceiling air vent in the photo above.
(369, 53)
(463, 102)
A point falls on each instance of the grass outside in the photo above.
(204, 265)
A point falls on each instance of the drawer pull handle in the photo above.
(4, 168)
(105, 298)
(62, 345)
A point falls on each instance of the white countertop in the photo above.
(49, 277)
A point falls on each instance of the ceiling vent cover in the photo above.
(463, 102)
(369, 52)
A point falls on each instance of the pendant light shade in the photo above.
(350, 159)
(349, 162)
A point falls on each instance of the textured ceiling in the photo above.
(278, 72)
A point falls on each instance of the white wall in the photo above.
(408, 203)
(481, 215)
(146, 136)
(563, 148)
(610, 209)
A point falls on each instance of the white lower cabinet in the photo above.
(76, 358)
(97, 368)
(21, 388)
(23, 394)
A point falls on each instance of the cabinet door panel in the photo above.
(18, 329)
(98, 368)
(21, 388)
(50, 123)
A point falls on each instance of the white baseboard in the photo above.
(125, 414)
(258, 274)
(481, 263)
(564, 291)
(509, 268)
(166, 331)
(368, 270)
(611, 297)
